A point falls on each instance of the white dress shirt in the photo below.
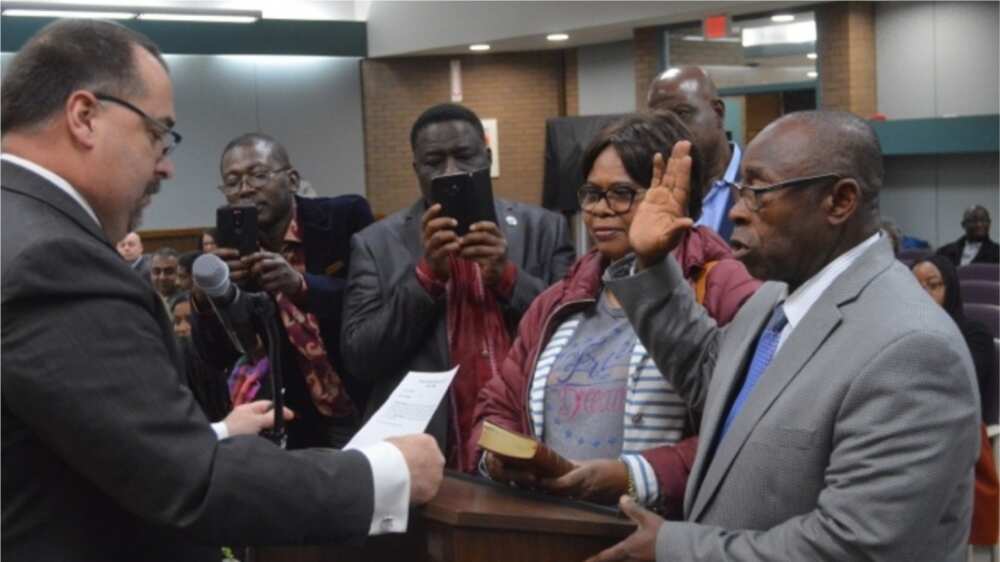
(390, 475)
(969, 252)
(798, 303)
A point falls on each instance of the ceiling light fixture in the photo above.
(43, 13)
(812, 74)
(479, 47)
(557, 36)
(782, 18)
(157, 16)
(811, 56)
(65, 10)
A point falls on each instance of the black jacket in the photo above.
(989, 252)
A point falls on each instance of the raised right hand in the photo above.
(661, 218)
(425, 462)
(440, 241)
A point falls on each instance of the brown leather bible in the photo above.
(523, 452)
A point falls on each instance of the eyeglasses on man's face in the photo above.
(256, 179)
(619, 198)
(164, 134)
(750, 195)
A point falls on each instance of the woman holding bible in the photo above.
(577, 378)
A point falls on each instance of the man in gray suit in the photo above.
(839, 406)
(106, 455)
(405, 285)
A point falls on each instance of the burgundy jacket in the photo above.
(504, 399)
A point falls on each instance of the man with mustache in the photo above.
(840, 407)
(106, 455)
(302, 264)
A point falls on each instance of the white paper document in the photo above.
(408, 409)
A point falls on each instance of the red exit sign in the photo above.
(715, 27)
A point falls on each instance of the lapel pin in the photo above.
(511, 220)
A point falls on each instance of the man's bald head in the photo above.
(842, 143)
(689, 92)
(691, 79)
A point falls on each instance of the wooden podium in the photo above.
(479, 521)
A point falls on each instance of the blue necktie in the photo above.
(767, 344)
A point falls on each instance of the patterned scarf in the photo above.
(478, 342)
(324, 383)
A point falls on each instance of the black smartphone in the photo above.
(237, 228)
(466, 197)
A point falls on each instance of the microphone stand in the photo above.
(265, 322)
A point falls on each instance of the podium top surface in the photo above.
(466, 502)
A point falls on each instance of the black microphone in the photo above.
(233, 307)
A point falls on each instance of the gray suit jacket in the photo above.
(858, 442)
(106, 455)
(392, 325)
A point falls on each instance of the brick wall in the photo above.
(845, 44)
(571, 83)
(646, 60)
(520, 90)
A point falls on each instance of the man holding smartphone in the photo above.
(422, 297)
(298, 254)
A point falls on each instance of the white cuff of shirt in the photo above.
(647, 489)
(220, 429)
(391, 480)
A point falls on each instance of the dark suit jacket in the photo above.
(989, 252)
(327, 226)
(392, 325)
(106, 455)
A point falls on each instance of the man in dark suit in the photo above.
(421, 298)
(106, 456)
(130, 248)
(302, 264)
(840, 406)
(975, 246)
(690, 92)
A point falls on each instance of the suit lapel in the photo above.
(512, 229)
(30, 184)
(823, 318)
(724, 380)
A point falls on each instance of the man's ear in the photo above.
(720, 108)
(80, 112)
(843, 201)
(293, 180)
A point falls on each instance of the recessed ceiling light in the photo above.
(693, 38)
(811, 56)
(782, 18)
(42, 13)
(812, 74)
(557, 36)
(479, 47)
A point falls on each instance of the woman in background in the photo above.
(938, 277)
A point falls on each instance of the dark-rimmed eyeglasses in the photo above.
(256, 179)
(750, 195)
(619, 199)
(165, 135)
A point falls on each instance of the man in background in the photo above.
(163, 271)
(130, 248)
(302, 265)
(106, 456)
(975, 246)
(422, 298)
(689, 92)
